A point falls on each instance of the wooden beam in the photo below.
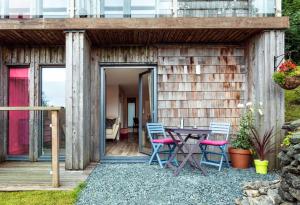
(277, 23)
(29, 108)
(55, 148)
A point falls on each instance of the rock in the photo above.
(284, 185)
(297, 147)
(244, 201)
(295, 163)
(293, 150)
(261, 200)
(290, 169)
(274, 196)
(252, 185)
(263, 190)
(293, 180)
(284, 159)
(286, 195)
(287, 203)
(237, 201)
(296, 138)
(297, 157)
(295, 193)
(251, 193)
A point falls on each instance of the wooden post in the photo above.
(278, 6)
(174, 8)
(55, 148)
(72, 9)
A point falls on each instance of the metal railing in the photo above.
(135, 8)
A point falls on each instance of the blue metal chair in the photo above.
(156, 130)
(218, 129)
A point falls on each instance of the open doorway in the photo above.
(129, 104)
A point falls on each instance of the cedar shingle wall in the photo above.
(212, 95)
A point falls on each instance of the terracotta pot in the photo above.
(240, 158)
(291, 83)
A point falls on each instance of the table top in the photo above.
(195, 131)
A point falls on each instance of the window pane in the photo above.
(18, 124)
(53, 87)
(53, 94)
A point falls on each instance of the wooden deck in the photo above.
(23, 176)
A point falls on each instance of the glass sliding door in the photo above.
(146, 109)
(18, 122)
(52, 94)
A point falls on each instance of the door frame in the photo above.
(102, 109)
(6, 137)
(40, 156)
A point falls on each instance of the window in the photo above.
(52, 94)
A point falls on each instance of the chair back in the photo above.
(220, 129)
(155, 129)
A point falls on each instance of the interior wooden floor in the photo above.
(127, 147)
(21, 176)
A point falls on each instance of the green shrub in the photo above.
(243, 140)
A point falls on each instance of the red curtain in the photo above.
(18, 128)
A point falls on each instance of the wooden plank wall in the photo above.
(32, 57)
(130, 54)
(78, 112)
(211, 95)
(261, 88)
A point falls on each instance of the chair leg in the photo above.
(155, 153)
(171, 152)
(159, 160)
(221, 163)
(225, 156)
(204, 154)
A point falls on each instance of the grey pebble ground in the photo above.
(142, 184)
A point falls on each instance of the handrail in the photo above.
(55, 136)
(37, 108)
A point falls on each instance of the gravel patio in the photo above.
(144, 184)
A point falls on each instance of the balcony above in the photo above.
(24, 9)
(144, 31)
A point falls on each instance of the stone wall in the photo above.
(289, 189)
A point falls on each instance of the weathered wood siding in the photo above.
(78, 112)
(199, 98)
(32, 57)
(130, 54)
(261, 88)
(212, 95)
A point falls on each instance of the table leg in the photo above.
(195, 161)
(169, 162)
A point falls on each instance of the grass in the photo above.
(41, 197)
(292, 105)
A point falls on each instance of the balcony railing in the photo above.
(134, 8)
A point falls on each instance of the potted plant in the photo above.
(287, 75)
(262, 147)
(239, 151)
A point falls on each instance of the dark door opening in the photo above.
(127, 104)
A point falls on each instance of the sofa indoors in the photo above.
(113, 128)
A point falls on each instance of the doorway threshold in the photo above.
(121, 159)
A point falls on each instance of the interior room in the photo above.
(122, 111)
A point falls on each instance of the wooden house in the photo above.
(115, 65)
